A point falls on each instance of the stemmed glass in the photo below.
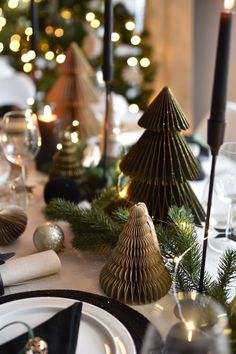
(225, 190)
(20, 139)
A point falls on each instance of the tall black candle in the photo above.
(107, 43)
(34, 25)
(216, 123)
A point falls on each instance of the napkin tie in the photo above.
(60, 332)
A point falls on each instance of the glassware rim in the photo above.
(227, 150)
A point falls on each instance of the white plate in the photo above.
(100, 332)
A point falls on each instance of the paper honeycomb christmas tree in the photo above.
(160, 164)
(135, 272)
(73, 93)
(66, 161)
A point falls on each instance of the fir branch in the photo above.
(226, 275)
(227, 268)
(95, 228)
(61, 209)
(121, 214)
(178, 236)
(105, 198)
(92, 228)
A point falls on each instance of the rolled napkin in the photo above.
(60, 332)
(30, 267)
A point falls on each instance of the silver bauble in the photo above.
(48, 236)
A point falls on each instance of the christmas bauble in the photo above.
(62, 187)
(92, 45)
(132, 75)
(36, 345)
(48, 236)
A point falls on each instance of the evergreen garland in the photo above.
(99, 228)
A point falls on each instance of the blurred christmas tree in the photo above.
(64, 21)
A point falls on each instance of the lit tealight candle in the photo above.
(47, 115)
(49, 126)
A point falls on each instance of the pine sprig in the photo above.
(175, 238)
(92, 228)
(226, 275)
(227, 268)
(61, 209)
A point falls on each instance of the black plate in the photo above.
(135, 323)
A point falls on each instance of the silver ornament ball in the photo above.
(48, 236)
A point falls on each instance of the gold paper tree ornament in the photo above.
(73, 93)
(135, 272)
(160, 164)
(66, 161)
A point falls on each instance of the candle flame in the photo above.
(229, 4)
(47, 115)
(190, 328)
(47, 112)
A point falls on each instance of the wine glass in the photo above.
(20, 139)
(225, 191)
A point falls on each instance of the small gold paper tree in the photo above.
(65, 161)
(73, 93)
(135, 272)
(160, 164)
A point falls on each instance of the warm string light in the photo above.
(3, 21)
(130, 25)
(190, 327)
(12, 4)
(115, 37)
(133, 108)
(66, 14)
(95, 23)
(135, 39)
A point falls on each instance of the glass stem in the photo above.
(228, 230)
(23, 175)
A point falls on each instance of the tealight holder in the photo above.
(192, 322)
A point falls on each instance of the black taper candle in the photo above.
(34, 25)
(107, 43)
(216, 122)
(107, 74)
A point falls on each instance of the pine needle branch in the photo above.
(175, 239)
(226, 275)
(61, 209)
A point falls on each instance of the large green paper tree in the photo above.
(160, 164)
